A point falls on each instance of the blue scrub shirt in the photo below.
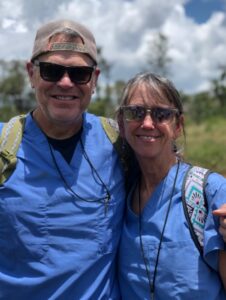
(54, 245)
(182, 273)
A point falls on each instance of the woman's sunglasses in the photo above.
(138, 113)
(54, 72)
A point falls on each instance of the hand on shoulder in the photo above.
(221, 213)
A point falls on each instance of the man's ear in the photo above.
(96, 74)
(95, 79)
(30, 72)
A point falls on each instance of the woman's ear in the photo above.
(179, 125)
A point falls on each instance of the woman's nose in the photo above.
(148, 122)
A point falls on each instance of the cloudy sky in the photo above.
(196, 31)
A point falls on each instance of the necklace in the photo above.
(104, 199)
(148, 273)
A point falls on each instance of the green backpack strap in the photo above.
(195, 203)
(111, 128)
(10, 139)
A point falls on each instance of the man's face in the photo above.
(64, 101)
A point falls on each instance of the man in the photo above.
(61, 210)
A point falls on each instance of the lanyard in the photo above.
(104, 199)
(152, 283)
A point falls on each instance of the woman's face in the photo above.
(151, 137)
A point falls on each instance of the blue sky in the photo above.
(124, 29)
(201, 10)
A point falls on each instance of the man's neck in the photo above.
(57, 129)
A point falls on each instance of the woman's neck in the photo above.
(152, 173)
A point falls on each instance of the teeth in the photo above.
(64, 98)
(149, 138)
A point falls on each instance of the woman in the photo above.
(158, 258)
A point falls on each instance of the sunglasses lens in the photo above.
(135, 113)
(51, 72)
(138, 113)
(160, 115)
(80, 75)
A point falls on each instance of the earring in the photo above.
(174, 147)
(93, 88)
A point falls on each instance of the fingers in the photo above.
(222, 228)
(223, 222)
(220, 212)
(222, 231)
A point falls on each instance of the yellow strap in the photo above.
(111, 128)
(10, 139)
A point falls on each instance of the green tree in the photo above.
(219, 88)
(15, 93)
(105, 68)
(157, 56)
(13, 83)
(117, 90)
(13, 78)
(201, 107)
(102, 108)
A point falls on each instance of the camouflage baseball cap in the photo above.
(43, 43)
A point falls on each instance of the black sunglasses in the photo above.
(54, 72)
(138, 113)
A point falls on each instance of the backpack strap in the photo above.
(125, 153)
(110, 127)
(10, 139)
(12, 134)
(195, 203)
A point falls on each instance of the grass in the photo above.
(206, 144)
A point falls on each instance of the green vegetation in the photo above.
(206, 144)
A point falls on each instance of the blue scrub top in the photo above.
(54, 245)
(181, 273)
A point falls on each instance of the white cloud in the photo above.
(196, 50)
(123, 29)
(10, 9)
